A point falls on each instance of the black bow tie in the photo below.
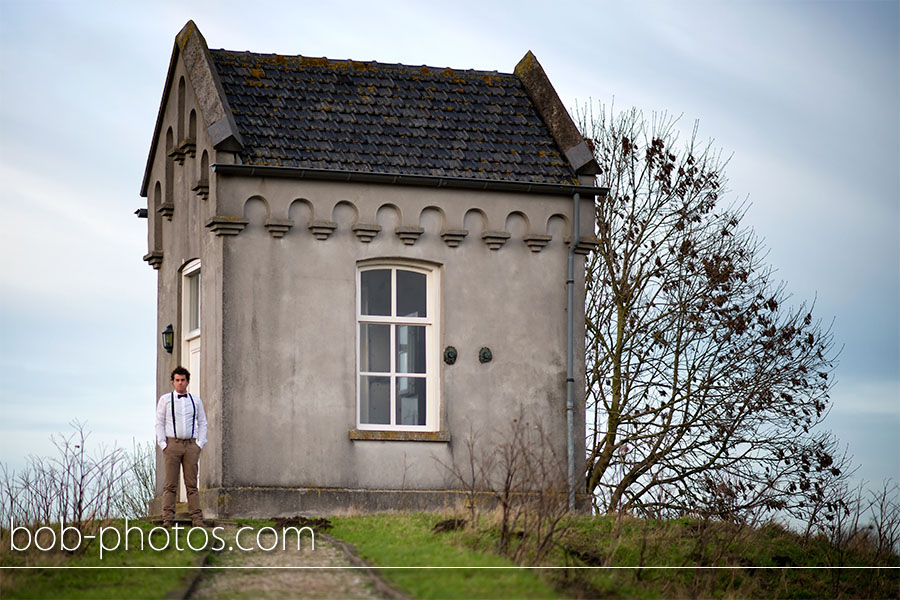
(182, 395)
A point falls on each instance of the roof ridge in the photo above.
(313, 59)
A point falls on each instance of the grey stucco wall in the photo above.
(289, 329)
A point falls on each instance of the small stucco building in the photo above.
(362, 262)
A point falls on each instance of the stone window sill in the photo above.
(399, 436)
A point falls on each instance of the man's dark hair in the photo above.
(179, 370)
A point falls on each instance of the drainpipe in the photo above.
(570, 346)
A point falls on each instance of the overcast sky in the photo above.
(803, 95)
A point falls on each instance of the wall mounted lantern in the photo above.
(168, 338)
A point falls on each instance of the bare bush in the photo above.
(864, 522)
(77, 487)
(885, 519)
(138, 484)
(525, 478)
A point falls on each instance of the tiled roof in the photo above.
(387, 118)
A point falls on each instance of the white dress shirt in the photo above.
(189, 421)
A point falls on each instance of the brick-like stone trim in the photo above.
(322, 229)
(201, 189)
(225, 225)
(495, 239)
(585, 245)
(177, 154)
(409, 233)
(366, 232)
(453, 237)
(278, 227)
(154, 258)
(537, 241)
(187, 147)
(166, 209)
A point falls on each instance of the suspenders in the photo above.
(193, 415)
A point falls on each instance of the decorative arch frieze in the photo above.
(534, 227)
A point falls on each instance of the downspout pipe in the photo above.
(570, 347)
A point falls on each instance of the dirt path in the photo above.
(270, 581)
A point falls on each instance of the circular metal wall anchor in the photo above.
(450, 355)
(484, 355)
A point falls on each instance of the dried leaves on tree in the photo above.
(704, 386)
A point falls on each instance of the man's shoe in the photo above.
(198, 523)
(167, 524)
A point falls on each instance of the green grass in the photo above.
(407, 540)
(93, 582)
(765, 562)
(753, 558)
(762, 562)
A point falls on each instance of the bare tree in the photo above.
(704, 388)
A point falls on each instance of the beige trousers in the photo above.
(181, 454)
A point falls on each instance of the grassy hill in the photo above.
(622, 557)
(587, 557)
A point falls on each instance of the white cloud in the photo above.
(853, 397)
(62, 241)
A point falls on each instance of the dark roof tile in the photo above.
(387, 118)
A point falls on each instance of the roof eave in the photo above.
(432, 181)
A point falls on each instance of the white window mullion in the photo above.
(393, 352)
(393, 349)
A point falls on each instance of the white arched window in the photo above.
(397, 341)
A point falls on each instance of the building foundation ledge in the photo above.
(271, 502)
(259, 502)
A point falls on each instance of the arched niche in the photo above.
(558, 227)
(345, 214)
(388, 216)
(475, 221)
(432, 220)
(169, 197)
(301, 213)
(192, 126)
(517, 224)
(181, 103)
(256, 211)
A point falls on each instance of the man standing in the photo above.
(181, 433)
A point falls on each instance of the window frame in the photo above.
(431, 322)
(191, 272)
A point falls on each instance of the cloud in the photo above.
(61, 241)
